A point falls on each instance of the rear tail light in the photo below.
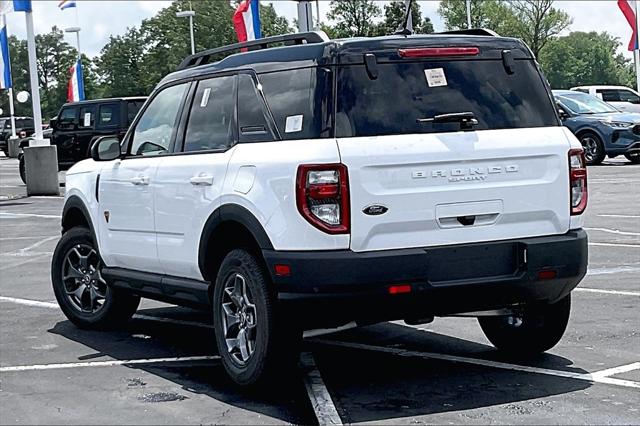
(428, 52)
(322, 195)
(577, 181)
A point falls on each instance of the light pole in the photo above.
(77, 31)
(189, 14)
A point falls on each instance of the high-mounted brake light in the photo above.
(322, 196)
(427, 52)
(578, 193)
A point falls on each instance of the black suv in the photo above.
(23, 124)
(78, 124)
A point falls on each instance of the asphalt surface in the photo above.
(443, 372)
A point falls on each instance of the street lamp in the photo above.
(77, 31)
(189, 14)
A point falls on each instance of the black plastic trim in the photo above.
(75, 202)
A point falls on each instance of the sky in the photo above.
(99, 19)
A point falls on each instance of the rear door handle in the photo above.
(202, 179)
(140, 180)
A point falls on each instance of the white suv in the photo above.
(321, 183)
(621, 97)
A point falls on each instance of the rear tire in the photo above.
(536, 329)
(83, 295)
(21, 168)
(634, 158)
(593, 148)
(253, 340)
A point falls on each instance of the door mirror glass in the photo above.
(105, 148)
(563, 114)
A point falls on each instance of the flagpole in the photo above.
(636, 52)
(33, 78)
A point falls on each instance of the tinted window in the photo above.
(628, 96)
(24, 123)
(408, 91)
(252, 122)
(87, 116)
(68, 118)
(211, 122)
(154, 131)
(5, 123)
(109, 115)
(581, 103)
(609, 95)
(300, 101)
(132, 109)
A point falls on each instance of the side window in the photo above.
(132, 109)
(154, 132)
(252, 122)
(609, 95)
(109, 115)
(87, 117)
(210, 125)
(68, 118)
(628, 96)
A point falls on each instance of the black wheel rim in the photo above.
(84, 286)
(590, 146)
(239, 319)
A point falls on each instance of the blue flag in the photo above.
(8, 6)
(5, 64)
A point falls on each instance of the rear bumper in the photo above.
(331, 287)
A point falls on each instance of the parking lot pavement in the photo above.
(162, 368)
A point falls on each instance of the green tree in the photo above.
(120, 65)
(271, 23)
(540, 21)
(491, 14)
(583, 59)
(354, 18)
(394, 14)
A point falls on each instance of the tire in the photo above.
(537, 329)
(593, 148)
(21, 168)
(634, 158)
(245, 304)
(84, 297)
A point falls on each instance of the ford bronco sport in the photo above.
(297, 182)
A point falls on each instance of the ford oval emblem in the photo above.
(375, 210)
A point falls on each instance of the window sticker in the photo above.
(205, 97)
(293, 123)
(87, 119)
(435, 77)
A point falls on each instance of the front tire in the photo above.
(536, 329)
(593, 148)
(634, 158)
(250, 337)
(83, 295)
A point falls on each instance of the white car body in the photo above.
(621, 97)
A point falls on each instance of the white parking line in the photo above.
(632, 216)
(618, 292)
(29, 260)
(485, 363)
(7, 215)
(28, 302)
(615, 245)
(20, 238)
(107, 363)
(616, 270)
(27, 250)
(617, 370)
(319, 396)
(614, 231)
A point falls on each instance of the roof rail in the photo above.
(202, 58)
(473, 31)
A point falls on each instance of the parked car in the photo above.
(78, 124)
(621, 97)
(24, 126)
(602, 129)
(282, 190)
(24, 142)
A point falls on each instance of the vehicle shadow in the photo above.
(146, 339)
(372, 386)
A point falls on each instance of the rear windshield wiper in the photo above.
(466, 119)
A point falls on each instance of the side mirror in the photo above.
(105, 148)
(53, 122)
(563, 114)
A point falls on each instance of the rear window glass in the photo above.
(406, 92)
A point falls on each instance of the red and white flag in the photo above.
(246, 20)
(628, 8)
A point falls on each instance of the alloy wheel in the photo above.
(590, 148)
(239, 319)
(83, 283)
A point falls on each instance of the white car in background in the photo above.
(623, 98)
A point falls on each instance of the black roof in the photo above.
(97, 101)
(344, 51)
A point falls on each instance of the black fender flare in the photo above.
(75, 202)
(231, 213)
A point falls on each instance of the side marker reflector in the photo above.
(400, 289)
